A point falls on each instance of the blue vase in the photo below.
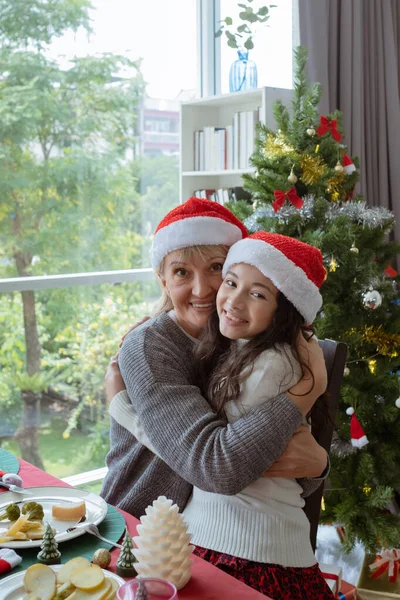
(243, 73)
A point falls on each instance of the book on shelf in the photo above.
(224, 195)
(226, 148)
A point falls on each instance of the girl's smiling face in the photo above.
(246, 302)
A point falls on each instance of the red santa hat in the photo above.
(196, 222)
(295, 268)
(357, 435)
(348, 165)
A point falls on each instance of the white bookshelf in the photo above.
(218, 111)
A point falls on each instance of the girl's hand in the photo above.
(304, 394)
(132, 328)
(303, 457)
(113, 379)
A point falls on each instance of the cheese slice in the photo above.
(69, 513)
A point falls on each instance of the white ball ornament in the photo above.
(397, 403)
(311, 131)
(372, 299)
(350, 411)
(346, 372)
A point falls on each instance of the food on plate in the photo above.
(34, 510)
(11, 513)
(72, 565)
(27, 523)
(40, 580)
(69, 513)
(78, 579)
(88, 578)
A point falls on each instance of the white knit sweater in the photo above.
(265, 521)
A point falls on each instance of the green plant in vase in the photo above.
(240, 34)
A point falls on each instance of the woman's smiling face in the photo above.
(246, 302)
(192, 280)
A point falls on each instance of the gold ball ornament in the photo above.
(372, 299)
(339, 167)
(310, 131)
(102, 558)
(354, 249)
(292, 177)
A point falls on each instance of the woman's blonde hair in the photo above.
(165, 303)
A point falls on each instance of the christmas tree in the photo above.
(125, 566)
(49, 553)
(303, 187)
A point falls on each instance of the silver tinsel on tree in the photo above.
(356, 211)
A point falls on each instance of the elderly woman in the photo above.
(192, 445)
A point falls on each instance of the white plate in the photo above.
(96, 510)
(12, 587)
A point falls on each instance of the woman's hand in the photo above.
(113, 379)
(303, 457)
(132, 328)
(304, 393)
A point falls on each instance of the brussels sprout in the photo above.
(12, 513)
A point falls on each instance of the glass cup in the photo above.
(157, 589)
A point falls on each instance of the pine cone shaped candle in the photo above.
(163, 548)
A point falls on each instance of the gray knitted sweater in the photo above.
(197, 447)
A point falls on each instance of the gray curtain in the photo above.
(354, 52)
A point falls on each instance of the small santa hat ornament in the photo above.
(196, 222)
(357, 435)
(295, 268)
(348, 165)
(8, 560)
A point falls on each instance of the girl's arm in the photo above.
(184, 430)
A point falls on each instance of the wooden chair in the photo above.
(335, 358)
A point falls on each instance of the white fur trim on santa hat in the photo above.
(360, 442)
(290, 279)
(193, 231)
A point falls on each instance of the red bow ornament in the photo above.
(291, 195)
(328, 125)
(388, 560)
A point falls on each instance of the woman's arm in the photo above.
(185, 431)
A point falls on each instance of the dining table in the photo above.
(207, 582)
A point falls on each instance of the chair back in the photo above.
(335, 358)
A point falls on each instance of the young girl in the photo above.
(269, 295)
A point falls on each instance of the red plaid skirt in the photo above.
(279, 583)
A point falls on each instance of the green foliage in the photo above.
(241, 35)
(37, 22)
(353, 239)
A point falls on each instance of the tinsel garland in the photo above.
(276, 146)
(355, 211)
(341, 447)
(387, 344)
(313, 168)
(335, 185)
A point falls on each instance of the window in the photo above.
(273, 45)
(89, 166)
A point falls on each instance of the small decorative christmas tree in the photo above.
(126, 560)
(163, 548)
(49, 553)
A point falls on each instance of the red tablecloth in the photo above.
(207, 582)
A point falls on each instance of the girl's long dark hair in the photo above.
(230, 363)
